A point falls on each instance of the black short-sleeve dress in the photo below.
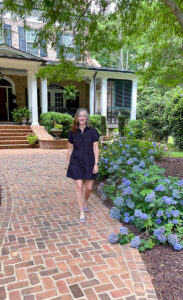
(82, 158)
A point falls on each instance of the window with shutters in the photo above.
(26, 42)
(67, 41)
(119, 93)
(6, 35)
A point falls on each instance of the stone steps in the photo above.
(14, 136)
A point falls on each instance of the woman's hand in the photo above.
(95, 169)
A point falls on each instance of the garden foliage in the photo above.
(49, 119)
(141, 194)
(99, 122)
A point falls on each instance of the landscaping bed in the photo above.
(164, 264)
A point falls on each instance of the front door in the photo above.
(3, 104)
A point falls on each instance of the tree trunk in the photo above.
(176, 11)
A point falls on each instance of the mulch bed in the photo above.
(163, 263)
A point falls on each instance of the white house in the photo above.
(104, 91)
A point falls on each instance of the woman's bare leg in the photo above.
(79, 194)
(88, 190)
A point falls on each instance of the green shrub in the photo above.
(122, 119)
(20, 113)
(98, 122)
(49, 119)
(32, 139)
(138, 128)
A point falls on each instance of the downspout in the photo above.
(94, 82)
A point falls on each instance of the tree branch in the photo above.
(176, 11)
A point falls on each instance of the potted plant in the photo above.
(21, 115)
(57, 130)
(32, 139)
(70, 92)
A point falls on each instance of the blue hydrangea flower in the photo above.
(136, 168)
(127, 146)
(144, 216)
(126, 214)
(127, 191)
(123, 152)
(126, 219)
(115, 167)
(176, 194)
(128, 154)
(168, 200)
(127, 182)
(131, 133)
(160, 188)
(142, 164)
(106, 167)
(134, 149)
(115, 213)
(151, 158)
(178, 247)
(181, 202)
(175, 213)
(175, 221)
(173, 239)
(166, 180)
(158, 221)
(119, 201)
(132, 218)
(168, 214)
(180, 182)
(161, 238)
(154, 144)
(123, 230)
(151, 151)
(150, 197)
(130, 204)
(104, 148)
(135, 242)
(160, 213)
(160, 230)
(106, 160)
(113, 238)
(137, 213)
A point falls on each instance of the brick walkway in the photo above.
(45, 252)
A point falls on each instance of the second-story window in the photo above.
(26, 42)
(5, 35)
(31, 36)
(67, 40)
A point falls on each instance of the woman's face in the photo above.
(82, 118)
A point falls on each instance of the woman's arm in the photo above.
(96, 154)
(69, 152)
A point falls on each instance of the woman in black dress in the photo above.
(83, 156)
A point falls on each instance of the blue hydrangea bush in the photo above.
(141, 194)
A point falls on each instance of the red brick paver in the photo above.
(45, 252)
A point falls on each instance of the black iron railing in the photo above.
(113, 113)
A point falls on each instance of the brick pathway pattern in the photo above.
(45, 252)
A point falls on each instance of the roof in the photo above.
(14, 53)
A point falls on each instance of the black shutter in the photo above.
(127, 93)
(7, 35)
(119, 94)
(43, 49)
(22, 38)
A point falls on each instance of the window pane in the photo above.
(31, 36)
(31, 49)
(67, 40)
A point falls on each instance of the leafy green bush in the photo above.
(138, 127)
(141, 194)
(48, 120)
(32, 139)
(98, 122)
(20, 113)
(122, 120)
(174, 115)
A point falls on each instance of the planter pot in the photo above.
(56, 133)
(24, 121)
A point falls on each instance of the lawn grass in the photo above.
(176, 154)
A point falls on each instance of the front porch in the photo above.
(102, 91)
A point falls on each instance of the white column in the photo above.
(103, 97)
(134, 100)
(29, 90)
(92, 97)
(33, 98)
(44, 96)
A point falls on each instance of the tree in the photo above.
(153, 28)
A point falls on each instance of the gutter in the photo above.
(94, 81)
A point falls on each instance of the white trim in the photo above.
(12, 84)
(134, 100)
